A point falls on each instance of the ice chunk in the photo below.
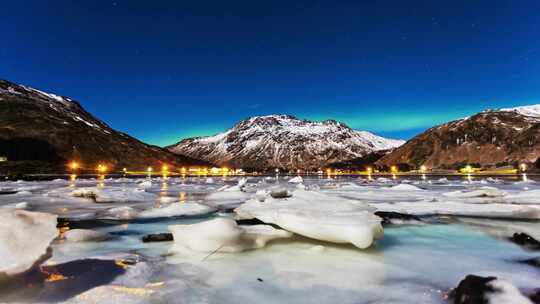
(121, 213)
(296, 180)
(239, 187)
(25, 237)
(480, 192)
(226, 197)
(224, 235)
(318, 216)
(460, 208)
(176, 209)
(505, 293)
(22, 205)
(114, 194)
(145, 184)
(85, 235)
(261, 195)
(531, 197)
(440, 181)
(405, 187)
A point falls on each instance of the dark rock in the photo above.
(158, 237)
(260, 280)
(388, 216)
(280, 193)
(526, 241)
(254, 221)
(535, 298)
(472, 290)
(6, 192)
(250, 222)
(63, 222)
(535, 262)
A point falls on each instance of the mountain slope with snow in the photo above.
(283, 141)
(531, 111)
(501, 136)
(40, 126)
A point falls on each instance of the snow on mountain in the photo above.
(283, 141)
(532, 110)
(40, 126)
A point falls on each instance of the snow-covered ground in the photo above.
(328, 245)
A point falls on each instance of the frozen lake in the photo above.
(462, 228)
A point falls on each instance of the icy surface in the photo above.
(25, 237)
(84, 235)
(505, 293)
(411, 263)
(318, 216)
(224, 235)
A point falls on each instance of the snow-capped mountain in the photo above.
(283, 141)
(492, 137)
(40, 126)
(532, 111)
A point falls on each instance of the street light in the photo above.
(102, 168)
(74, 165)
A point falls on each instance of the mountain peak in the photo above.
(284, 141)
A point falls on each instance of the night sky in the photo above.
(164, 70)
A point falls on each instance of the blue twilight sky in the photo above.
(164, 70)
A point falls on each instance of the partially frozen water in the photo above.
(464, 231)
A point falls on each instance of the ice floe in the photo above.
(296, 180)
(85, 235)
(25, 237)
(410, 264)
(114, 195)
(224, 235)
(176, 209)
(480, 192)
(318, 216)
(489, 210)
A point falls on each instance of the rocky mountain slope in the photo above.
(51, 129)
(283, 141)
(492, 137)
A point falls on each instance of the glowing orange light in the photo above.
(165, 168)
(102, 168)
(394, 169)
(74, 165)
